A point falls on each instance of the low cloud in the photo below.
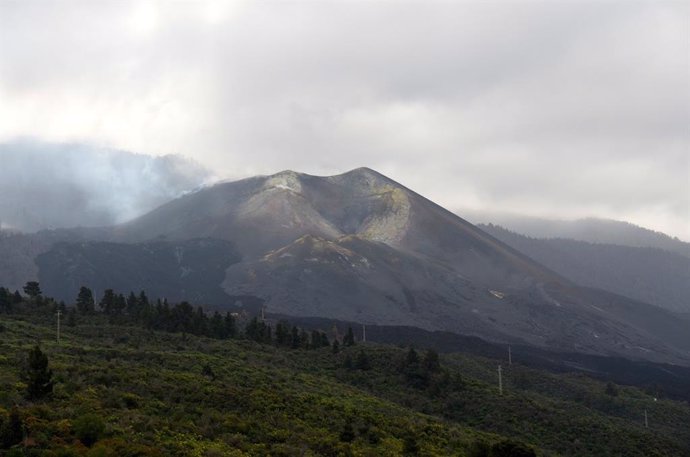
(553, 109)
(47, 185)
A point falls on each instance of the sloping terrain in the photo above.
(173, 394)
(361, 247)
(650, 275)
(183, 271)
(266, 213)
(363, 281)
(591, 230)
(19, 250)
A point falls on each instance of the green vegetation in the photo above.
(39, 378)
(123, 388)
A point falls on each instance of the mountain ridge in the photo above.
(648, 274)
(359, 246)
(589, 229)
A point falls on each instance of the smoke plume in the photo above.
(49, 185)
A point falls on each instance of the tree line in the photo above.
(160, 315)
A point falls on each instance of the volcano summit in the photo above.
(358, 247)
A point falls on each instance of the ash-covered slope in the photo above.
(190, 270)
(361, 247)
(363, 281)
(266, 213)
(651, 275)
(359, 280)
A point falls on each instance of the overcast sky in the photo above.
(555, 109)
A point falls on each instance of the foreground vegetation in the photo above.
(121, 389)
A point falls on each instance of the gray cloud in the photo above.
(554, 109)
(46, 185)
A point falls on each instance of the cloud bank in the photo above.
(552, 109)
(46, 185)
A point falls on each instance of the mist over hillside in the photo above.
(590, 229)
(649, 274)
(51, 185)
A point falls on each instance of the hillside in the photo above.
(262, 214)
(591, 230)
(189, 270)
(174, 394)
(647, 274)
(358, 247)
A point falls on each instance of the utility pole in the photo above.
(646, 422)
(59, 313)
(364, 333)
(263, 315)
(500, 381)
(510, 356)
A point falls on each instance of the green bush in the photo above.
(509, 448)
(89, 428)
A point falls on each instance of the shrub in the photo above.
(39, 376)
(347, 434)
(89, 428)
(509, 448)
(12, 432)
(611, 389)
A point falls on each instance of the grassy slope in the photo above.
(150, 389)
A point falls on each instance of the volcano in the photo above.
(361, 247)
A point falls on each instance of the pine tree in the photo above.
(39, 376)
(72, 318)
(415, 374)
(349, 339)
(143, 299)
(133, 306)
(230, 330)
(336, 347)
(431, 361)
(107, 303)
(5, 300)
(324, 340)
(32, 289)
(412, 357)
(85, 302)
(120, 305)
(304, 339)
(315, 339)
(295, 344)
(282, 334)
(362, 362)
(611, 389)
(251, 330)
(200, 323)
(217, 328)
